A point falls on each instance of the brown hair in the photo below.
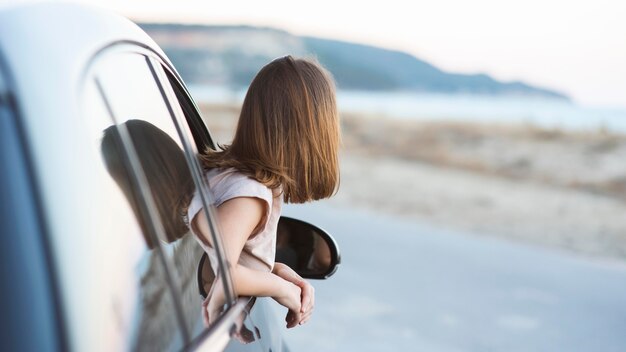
(288, 131)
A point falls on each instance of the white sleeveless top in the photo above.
(260, 249)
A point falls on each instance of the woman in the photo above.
(285, 149)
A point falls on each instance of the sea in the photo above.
(536, 111)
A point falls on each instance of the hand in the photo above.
(307, 301)
(213, 303)
(290, 298)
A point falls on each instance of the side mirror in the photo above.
(308, 250)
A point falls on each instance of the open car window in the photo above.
(194, 132)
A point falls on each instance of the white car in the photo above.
(95, 254)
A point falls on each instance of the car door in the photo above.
(119, 96)
(158, 138)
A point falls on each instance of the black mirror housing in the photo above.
(308, 250)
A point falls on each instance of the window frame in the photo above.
(191, 151)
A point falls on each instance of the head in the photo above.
(288, 131)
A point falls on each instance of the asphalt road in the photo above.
(404, 286)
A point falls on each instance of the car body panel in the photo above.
(52, 126)
(29, 299)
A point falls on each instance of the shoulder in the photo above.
(226, 184)
(229, 184)
(241, 194)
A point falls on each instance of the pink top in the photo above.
(260, 249)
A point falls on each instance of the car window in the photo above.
(131, 298)
(143, 104)
(195, 133)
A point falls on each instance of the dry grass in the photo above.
(582, 160)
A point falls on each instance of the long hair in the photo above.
(288, 131)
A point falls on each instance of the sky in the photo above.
(576, 47)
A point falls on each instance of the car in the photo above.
(99, 153)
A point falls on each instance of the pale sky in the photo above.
(577, 47)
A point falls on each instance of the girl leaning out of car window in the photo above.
(285, 149)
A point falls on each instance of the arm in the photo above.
(308, 292)
(248, 282)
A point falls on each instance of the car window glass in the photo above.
(130, 299)
(162, 155)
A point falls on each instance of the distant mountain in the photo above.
(231, 55)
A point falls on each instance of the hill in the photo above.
(231, 55)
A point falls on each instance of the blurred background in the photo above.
(483, 186)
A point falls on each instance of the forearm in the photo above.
(277, 268)
(249, 282)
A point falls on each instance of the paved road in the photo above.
(404, 286)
